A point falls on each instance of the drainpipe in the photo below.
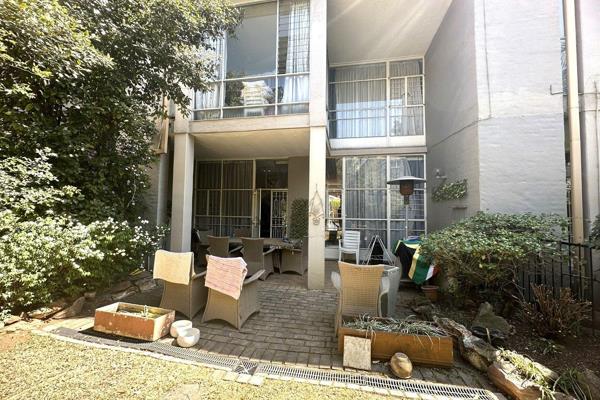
(574, 128)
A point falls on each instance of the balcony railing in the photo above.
(254, 97)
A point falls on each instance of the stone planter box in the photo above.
(433, 351)
(126, 319)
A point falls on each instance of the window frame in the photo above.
(388, 101)
(223, 80)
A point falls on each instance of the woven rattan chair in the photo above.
(219, 246)
(295, 260)
(184, 290)
(226, 308)
(256, 258)
(350, 244)
(361, 289)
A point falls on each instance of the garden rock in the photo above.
(590, 381)
(488, 320)
(47, 312)
(476, 351)
(145, 284)
(424, 307)
(71, 311)
(127, 292)
(121, 286)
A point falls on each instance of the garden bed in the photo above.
(423, 342)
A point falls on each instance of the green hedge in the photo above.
(483, 252)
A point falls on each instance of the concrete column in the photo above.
(183, 189)
(318, 141)
(316, 190)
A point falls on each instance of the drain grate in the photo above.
(192, 355)
(418, 388)
(421, 388)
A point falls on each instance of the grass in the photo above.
(43, 367)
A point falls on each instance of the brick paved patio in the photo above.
(296, 326)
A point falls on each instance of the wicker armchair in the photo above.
(256, 258)
(219, 246)
(361, 289)
(184, 290)
(295, 260)
(226, 308)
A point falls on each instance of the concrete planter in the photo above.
(500, 375)
(435, 351)
(125, 319)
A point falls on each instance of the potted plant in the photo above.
(423, 342)
(134, 321)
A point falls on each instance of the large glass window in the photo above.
(374, 208)
(377, 99)
(266, 64)
(224, 196)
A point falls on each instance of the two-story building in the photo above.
(327, 100)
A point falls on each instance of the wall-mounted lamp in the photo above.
(439, 174)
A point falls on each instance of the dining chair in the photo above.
(256, 258)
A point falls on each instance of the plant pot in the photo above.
(434, 351)
(431, 292)
(126, 319)
(178, 326)
(188, 337)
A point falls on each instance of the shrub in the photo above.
(595, 233)
(553, 316)
(484, 251)
(299, 219)
(48, 258)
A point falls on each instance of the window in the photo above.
(224, 196)
(266, 64)
(372, 207)
(379, 99)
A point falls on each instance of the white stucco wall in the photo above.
(452, 113)
(588, 44)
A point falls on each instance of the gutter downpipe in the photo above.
(574, 126)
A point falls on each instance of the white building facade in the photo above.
(327, 100)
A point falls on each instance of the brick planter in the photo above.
(125, 319)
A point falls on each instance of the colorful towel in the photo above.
(419, 270)
(226, 275)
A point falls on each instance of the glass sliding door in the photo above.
(372, 207)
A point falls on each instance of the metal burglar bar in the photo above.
(573, 268)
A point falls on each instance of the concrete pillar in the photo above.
(318, 141)
(316, 191)
(183, 189)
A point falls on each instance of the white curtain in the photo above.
(295, 88)
(358, 98)
(212, 97)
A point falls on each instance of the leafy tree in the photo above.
(87, 79)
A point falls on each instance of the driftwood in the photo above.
(476, 351)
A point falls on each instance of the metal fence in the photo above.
(568, 265)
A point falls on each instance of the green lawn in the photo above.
(43, 367)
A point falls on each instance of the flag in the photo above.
(419, 270)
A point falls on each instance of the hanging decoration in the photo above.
(315, 207)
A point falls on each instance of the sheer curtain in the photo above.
(357, 95)
(295, 88)
(212, 98)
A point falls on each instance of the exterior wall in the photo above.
(521, 133)
(452, 113)
(588, 15)
(156, 196)
(490, 115)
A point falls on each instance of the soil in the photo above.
(559, 354)
(9, 340)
